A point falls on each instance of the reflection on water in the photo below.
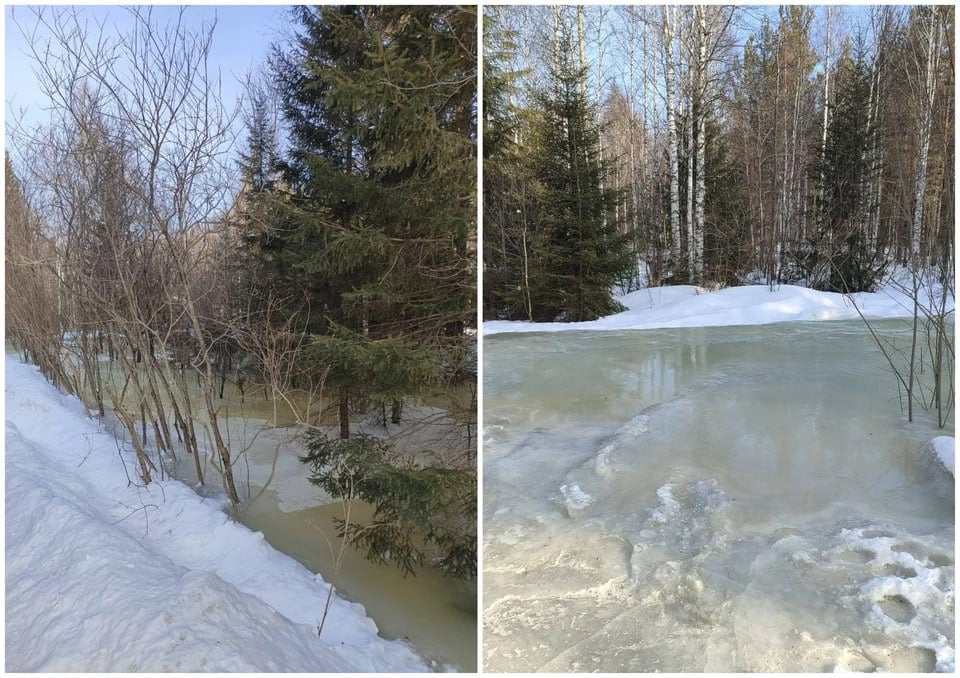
(437, 614)
(689, 500)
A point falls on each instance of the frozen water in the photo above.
(756, 503)
(574, 499)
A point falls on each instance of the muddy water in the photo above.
(437, 614)
(717, 499)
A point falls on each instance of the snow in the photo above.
(936, 457)
(943, 448)
(104, 574)
(691, 306)
(921, 594)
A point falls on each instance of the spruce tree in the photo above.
(312, 240)
(376, 224)
(509, 189)
(583, 252)
(727, 249)
(850, 263)
(258, 163)
(381, 105)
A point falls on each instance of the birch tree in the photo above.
(668, 48)
(929, 25)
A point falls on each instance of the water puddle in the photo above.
(723, 499)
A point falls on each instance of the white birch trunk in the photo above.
(696, 271)
(933, 36)
(826, 121)
(691, 158)
(669, 37)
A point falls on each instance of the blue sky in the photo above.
(241, 42)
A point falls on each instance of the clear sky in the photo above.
(241, 42)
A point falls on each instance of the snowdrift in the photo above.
(105, 575)
(691, 306)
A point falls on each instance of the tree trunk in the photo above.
(691, 159)
(701, 169)
(925, 124)
(582, 41)
(821, 195)
(669, 35)
(343, 413)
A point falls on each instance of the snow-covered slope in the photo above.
(105, 575)
(689, 306)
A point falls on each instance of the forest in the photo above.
(636, 146)
(312, 246)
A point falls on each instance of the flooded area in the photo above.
(435, 613)
(713, 499)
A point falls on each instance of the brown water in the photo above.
(437, 614)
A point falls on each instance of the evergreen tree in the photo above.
(847, 143)
(583, 252)
(376, 226)
(849, 264)
(509, 188)
(727, 249)
(314, 225)
(381, 106)
(258, 164)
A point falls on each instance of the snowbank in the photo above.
(104, 575)
(944, 447)
(690, 306)
(941, 450)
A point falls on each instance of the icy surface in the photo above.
(691, 306)
(574, 499)
(105, 575)
(756, 504)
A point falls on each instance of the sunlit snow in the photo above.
(104, 574)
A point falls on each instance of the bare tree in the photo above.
(668, 39)
(148, 99)
(927, 68)
(32, 308)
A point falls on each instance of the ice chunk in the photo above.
(574, 499)
(667, 505)
(636, 426)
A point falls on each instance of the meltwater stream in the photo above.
(434, 613)
(716, 499)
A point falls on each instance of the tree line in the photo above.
(333, 267)
(712, 144)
